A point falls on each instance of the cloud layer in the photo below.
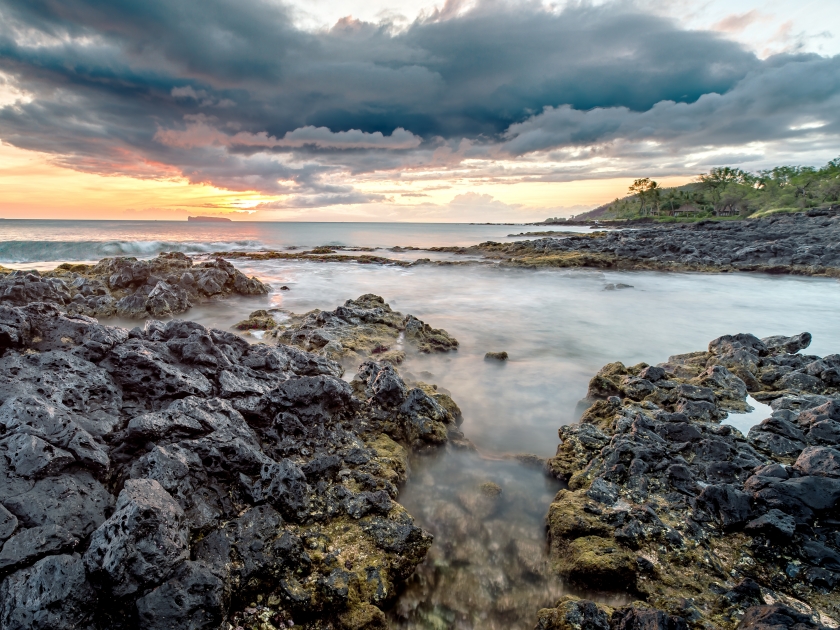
(235, 95)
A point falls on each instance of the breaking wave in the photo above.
(38, 251)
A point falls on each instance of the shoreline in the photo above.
(35, 331)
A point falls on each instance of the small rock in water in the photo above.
(617, 286)
(258, 320)
(496, 356)
(284, 288)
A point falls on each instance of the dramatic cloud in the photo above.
(199, 133)
(234, 94)
(787, 99)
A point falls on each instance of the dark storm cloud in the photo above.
(778, 101)
(232, 93)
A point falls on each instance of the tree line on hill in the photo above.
(726, 191)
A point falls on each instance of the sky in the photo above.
(393, 110)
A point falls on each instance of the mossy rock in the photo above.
(573, 613)
(601, 414)
(363, 617)
(258, 320)
(567, 519)
(597, 562)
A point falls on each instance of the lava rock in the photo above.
(138, 546)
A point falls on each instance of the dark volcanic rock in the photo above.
(170, 476)
(52, 594)
(657, 484)
(363, 328)
(161, 287)
(143, 540)
(801, 243)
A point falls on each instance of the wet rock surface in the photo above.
(702, 523)
(363, 328)
(802, 243)
(174, 476)
(166, 285)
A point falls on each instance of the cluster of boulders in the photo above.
(174, 476)
(706, 525)
(126, 287)
(801, 243)
(362, 328)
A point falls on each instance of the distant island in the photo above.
(209, 219)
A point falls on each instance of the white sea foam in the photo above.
(32, 251)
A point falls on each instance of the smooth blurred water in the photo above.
(558, 326)
(488, 570)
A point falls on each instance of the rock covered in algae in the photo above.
(362, 328)
(685, 511)
(163, 286)
(174, 476)
(258, 320)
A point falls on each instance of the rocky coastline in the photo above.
(174, 476)
(167, 285)
(708, 528)
(806, 243)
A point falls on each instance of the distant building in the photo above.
(687, 210)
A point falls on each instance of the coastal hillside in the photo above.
(727, 192)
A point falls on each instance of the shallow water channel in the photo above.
(487, 568)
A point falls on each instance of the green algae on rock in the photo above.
(686, 513)
(258, 320)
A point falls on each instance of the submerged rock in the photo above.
(684, 510)
(166, 285)
(496, 356)
(172, 476)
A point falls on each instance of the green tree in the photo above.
(719, 179)
(646, 190)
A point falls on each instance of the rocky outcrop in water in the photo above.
(174, 476)
(362, 328)
(700, 521)
(801, 243)
(126, 287)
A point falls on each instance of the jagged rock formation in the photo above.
(693, 517)
(126, 287)
(802, 243)
(363, 328)
(174, 476)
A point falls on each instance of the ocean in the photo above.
(559, 326)
(29, 241)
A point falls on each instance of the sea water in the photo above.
(487, 569)
(24, 241)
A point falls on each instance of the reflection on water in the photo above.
(486, 568)
(745, 421)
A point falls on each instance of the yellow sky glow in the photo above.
(31, 186)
